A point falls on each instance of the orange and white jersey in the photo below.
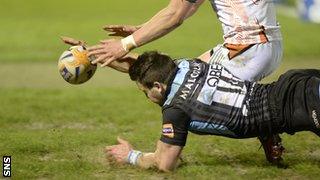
(247, 21)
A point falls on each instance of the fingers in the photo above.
(95, 50)
(72, 41)
(96, 53)
(82, 43)
(107, 51)
(112, 28)
(101, 58)
(118, 30)
(108, 61)
(69, 40)
(113, 154)
(109, 148)
(92, 48)
(115, 34)
(120, 34)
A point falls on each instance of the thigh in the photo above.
(255, 63)
(306, 106)
(296, 94)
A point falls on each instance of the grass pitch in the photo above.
(54, 130)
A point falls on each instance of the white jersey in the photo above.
(247, 21)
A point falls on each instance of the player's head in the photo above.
(152, 71)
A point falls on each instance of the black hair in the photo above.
(151, 67)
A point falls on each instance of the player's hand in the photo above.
(107, 51)
(120, 30)
(119, 152)
(72, 41)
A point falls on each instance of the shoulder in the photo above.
(186, 62)
(179, 61)
(172, 108)
(174, 113)
(174, 126)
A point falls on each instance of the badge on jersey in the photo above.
(167, 130)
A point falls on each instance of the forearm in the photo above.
(162, 23)
(147, 160)
(158, 26)
(123, 64)
(189, 13)
(165, 158)
(151, 160)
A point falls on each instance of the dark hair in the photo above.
(150, 67)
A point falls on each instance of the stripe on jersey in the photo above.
(232, 81)
(211, 128)
(178, 80)
(222, 87)
(229, 90)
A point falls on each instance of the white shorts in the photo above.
(254, 64)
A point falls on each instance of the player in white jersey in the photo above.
(252, 37)
(252, 46)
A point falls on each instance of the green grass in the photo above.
(54, 130)
(30, 30)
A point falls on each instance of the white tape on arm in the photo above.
(128, 43)
(133, 157)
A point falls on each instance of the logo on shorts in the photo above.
(315, 119)
(167, 130)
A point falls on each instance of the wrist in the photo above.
(133, 156)
(128, 43)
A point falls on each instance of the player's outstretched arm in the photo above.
(163, 22)
(165, 157)
(123, 64)
(126, 30)
(159, 25)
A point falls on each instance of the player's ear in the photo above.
(159, 86)
(156, 85)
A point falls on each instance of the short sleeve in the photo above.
(178, 61)
(174, 126)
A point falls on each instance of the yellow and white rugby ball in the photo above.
(75, 66)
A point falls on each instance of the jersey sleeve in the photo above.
(174, 126)
(178, 61)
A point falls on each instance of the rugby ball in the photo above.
(75, 66)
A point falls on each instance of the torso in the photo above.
(247, 21)
(215, 101)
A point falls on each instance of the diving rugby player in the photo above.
(207, 99)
